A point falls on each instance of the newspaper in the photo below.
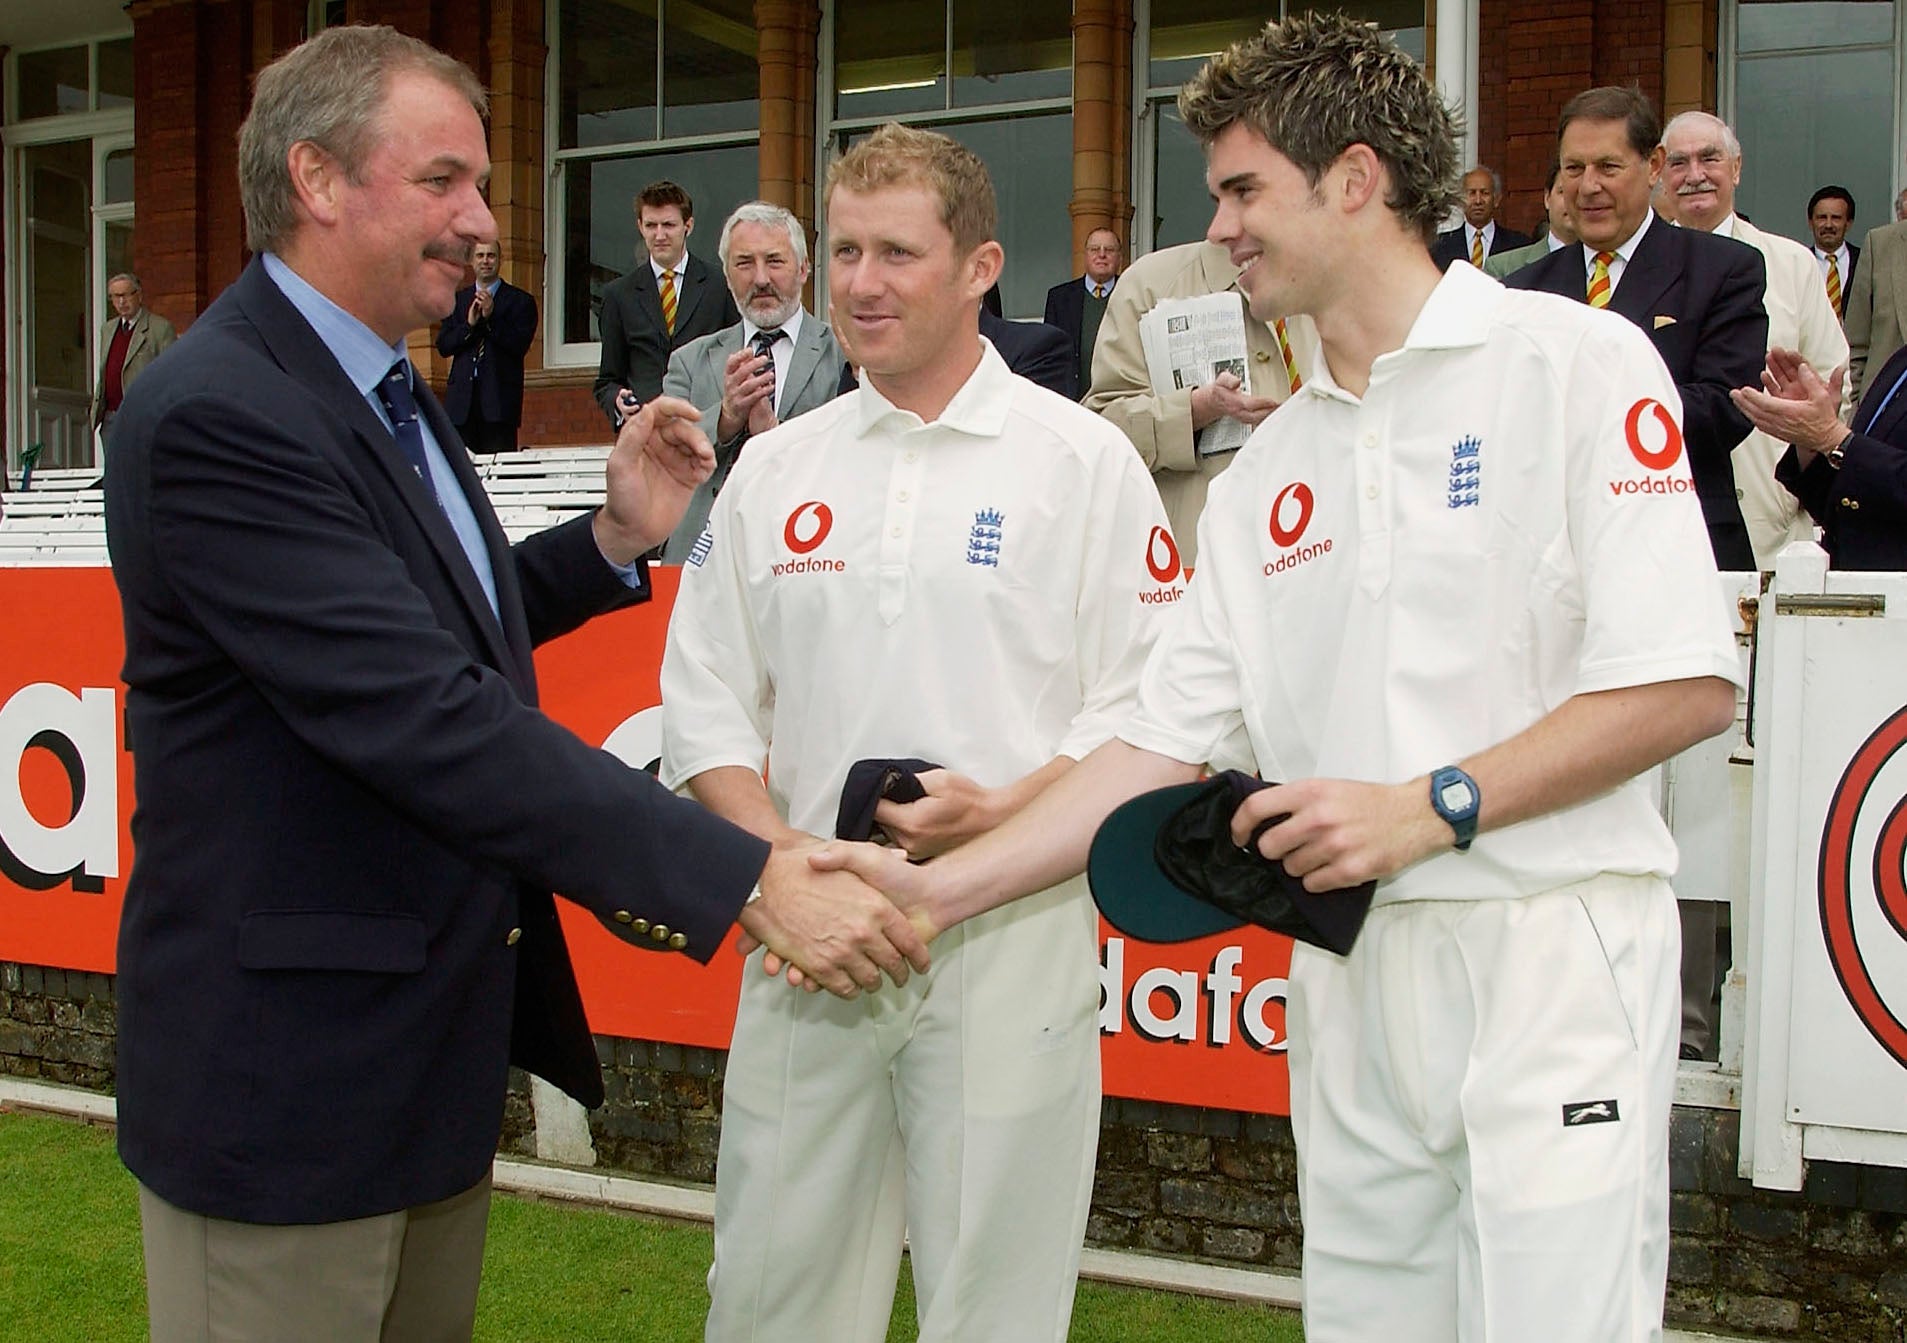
(1190, 341)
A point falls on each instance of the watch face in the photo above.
(1457, 795)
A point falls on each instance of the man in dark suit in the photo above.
(1697, 295)
(1078, 306)
(485, 337)
(1852, 479)
(1830, 215)
(1479, 236)
(338, 934)
(658, 307)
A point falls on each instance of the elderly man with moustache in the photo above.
(775, 363)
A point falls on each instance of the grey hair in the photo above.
(1496, 178)
(129, 278)
(330, 92)
(762, 212)
(1729, 142)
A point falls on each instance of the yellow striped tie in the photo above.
(1284, 348)
(1599, 282)
(1834, 286)
(668, 301)
(1476, 249)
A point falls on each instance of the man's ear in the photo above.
(315, 179)
(984, 266)
(1360, 176)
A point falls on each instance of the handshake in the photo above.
(838, 914)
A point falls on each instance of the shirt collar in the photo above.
(1091, 284)
(1729, 227)
(1839, 254)
(1457, 314)
(978, 408)
(364, 357)
(1488, 230)
(1554, 243)
(1626, 251)
(657, 269)
(492, 287)
(791, 327)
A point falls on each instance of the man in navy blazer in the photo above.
(485, 338)
(338, 934)
(638, 332)
(1078, 305)
(1851, 479)
(1697, 295)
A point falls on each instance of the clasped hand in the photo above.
(828, 927)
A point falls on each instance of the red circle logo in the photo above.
(1836, 885)
(1298, 493)
(1162, 555)
(823, 523)
(1656, 459)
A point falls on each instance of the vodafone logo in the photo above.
(1848, 878)
(1291, 514)
(808, 526)
(1654, 437)
(1162, 556)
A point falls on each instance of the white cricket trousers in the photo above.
(961, 1110)
(1480, 1093)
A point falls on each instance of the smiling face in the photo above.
(400, 237)
(486, 259)
(1608, 183)
(1699, 173)
(909, 301)
(1270, 220)
(1828, 221)
(1102, 255)
(763, 274)
(665, 233)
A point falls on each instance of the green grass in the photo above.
(70, 1265)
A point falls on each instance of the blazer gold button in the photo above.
(639, 925)
(514, 936)
(624, 916)
(677, 941)
(1262, 357)
(1850, 503)
(660, 932)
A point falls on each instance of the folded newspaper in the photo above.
(1190, 341)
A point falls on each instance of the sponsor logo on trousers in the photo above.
(1301, 555)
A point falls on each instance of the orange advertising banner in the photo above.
(1198, 1023)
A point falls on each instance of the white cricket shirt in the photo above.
(1392, 583)
(981, 592)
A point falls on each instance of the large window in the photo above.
(1813, 91)
(999, 79)
(644, 89)
(1180, 36)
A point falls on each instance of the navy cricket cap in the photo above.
(871, 781)
(1163, 868)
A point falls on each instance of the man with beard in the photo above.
(775, 363)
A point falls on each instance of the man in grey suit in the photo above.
(131, 339)
(777, 362)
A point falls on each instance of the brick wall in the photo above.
(1827, 1263)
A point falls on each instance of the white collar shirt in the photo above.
(980, 591)
(659, 270)
(1392, 583)
(1842, 259)
(781, 351)
(1471, 232)
(1622, 254)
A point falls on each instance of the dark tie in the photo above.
(394, 390)
(763, 344)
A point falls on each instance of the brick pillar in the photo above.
(1102, 105)
(517, 56)
(1547, 57)
(1688, 56)
(785, 32)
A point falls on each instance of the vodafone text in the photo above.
(1294, 558)
(80, 733)
(1196, 1008)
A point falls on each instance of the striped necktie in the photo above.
(1476, 249)
(1599, 282)
(1284, 349)
(667, 285)
(1834, 286)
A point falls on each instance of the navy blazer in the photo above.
(1862, 507)
(486, 360)
(338, 932)
(1699, 298)
(1452, 245)
(636, 348)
